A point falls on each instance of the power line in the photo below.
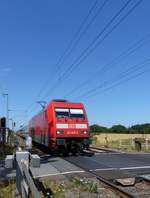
(133, 48)
(74, 66)
(124, 81)
(83, 54)
(116, 78)
(79, 30)
(82, 33)
(110, 31)
(76, 38)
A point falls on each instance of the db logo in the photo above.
(72, 126)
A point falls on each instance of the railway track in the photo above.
(92, 149)
(140, 190)
(100, 149)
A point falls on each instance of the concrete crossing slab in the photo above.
(55, 167)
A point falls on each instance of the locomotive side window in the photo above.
(62, 113)
(76, 113)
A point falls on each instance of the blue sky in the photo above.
(35, 34)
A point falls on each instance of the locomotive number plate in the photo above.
(72, 132)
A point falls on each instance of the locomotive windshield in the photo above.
(76, 113)
(62, 113)
(69, 113)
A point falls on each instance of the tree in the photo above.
(140, 128)
(95, 128)
(118, 129)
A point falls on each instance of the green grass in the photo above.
(85, 185)
(7, 189)
(57, 188)
(62, 189)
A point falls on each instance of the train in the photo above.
(61, 126)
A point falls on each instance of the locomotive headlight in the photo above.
(58, 132)
(84, 132)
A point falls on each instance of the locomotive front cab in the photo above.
(71, 126)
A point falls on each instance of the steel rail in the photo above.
(104, 149)
(120, 190)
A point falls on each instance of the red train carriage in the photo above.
(61, 125)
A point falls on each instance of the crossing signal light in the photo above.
(3, 122)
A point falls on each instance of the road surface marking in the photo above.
(135, 167)
(61, 173)
(103, 169)
(125, 168)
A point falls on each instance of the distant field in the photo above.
(121, 141)
(104, 137)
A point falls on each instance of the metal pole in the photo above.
(12, 124)
(7, 111)
(7, 117)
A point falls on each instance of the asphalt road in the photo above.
(109, 165)
(113, 160)
(112, 165)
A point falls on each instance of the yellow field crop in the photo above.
(108, 137)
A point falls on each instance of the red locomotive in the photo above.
(62, 125)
